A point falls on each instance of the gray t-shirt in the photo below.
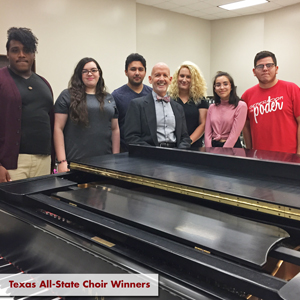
(94, 140)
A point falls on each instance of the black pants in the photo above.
(221, 144)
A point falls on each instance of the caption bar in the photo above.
(79, 284)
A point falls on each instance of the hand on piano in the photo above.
(4, 175)
(63, 167)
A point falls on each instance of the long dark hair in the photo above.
(78, 106)
(233, 97)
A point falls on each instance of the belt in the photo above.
(167, 145)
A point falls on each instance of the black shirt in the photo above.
(191, 111)
(37, 102)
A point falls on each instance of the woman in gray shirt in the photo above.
(86, 118)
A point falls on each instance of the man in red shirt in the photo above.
(273, 119)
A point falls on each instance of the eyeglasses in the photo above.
(92, 71)
(268, 66)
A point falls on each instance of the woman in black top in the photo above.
(188, 88)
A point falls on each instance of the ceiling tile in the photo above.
(150, 2)
(209, 10)
(199, 5)
(218, 2)
(228, 14)
(213, 10)
(210, 17)
(184, 2)
(247, 10)
(182, 9)
(268, 6)
(166, 5)
(197, 13)
(286, 2)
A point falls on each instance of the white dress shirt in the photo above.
(165, 120)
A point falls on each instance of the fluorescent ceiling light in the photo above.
(242, 4)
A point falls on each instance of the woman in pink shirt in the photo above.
(226, 117)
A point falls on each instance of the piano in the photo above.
(214, 223)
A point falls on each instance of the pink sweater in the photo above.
(225, 122)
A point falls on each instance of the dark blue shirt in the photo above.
(123, 95)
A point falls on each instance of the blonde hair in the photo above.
(198, 84)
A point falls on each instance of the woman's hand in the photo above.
(63, 167)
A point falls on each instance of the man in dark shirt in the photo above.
(135, 70)
(26, 103)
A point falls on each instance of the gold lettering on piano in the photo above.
(202, 250)
(103, 242)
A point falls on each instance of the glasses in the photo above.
(92, 71)
(268, 66)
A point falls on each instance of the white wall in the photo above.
(282, 35)
(172, 38)
(235, 42)
(69, 30)
(109, 30)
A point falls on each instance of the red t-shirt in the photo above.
(272, 114)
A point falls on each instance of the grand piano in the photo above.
(214, 223)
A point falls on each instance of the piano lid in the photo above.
(188, 223)
(16, 190)
(264, 186)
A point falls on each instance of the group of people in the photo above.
(88, 121)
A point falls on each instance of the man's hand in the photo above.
(247, 135)
(4, 175)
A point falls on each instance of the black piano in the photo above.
(213, 223)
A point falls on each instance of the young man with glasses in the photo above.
(273, 109)
(26, 111)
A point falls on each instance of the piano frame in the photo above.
(200, 275)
